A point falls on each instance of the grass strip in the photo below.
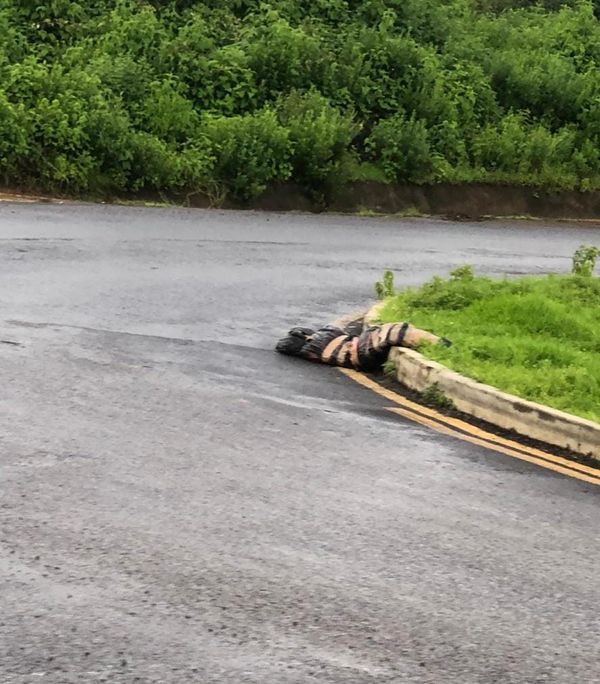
(535, 337)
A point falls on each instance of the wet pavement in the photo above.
(180, 504)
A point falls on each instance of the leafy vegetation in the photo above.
(434, 396)
(584, 260)
(230, 96)
(535, 337)
(384, 288)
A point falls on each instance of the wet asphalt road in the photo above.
(180, 504)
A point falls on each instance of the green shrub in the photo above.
(401, 145)
(284, 57)
(388, 73)
(110, 144)
(522, 152)
(319, 136)
(228, 84)
(55, 141)
(250, 152)
(218, 78)
(136, 30)
(415, 91)
(14, 138)
(584, 260)
(124, 76)
(166, 113)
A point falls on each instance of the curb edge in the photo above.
(484, 402)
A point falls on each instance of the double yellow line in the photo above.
(470, 433)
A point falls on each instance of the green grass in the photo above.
(535, 337)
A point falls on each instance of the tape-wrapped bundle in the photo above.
(367, 351)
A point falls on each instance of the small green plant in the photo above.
(464, 273)
(434, 396)
(385, 288)
(584, 260)
(389, 368)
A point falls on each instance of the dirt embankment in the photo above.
(457, 201)
(473, 201)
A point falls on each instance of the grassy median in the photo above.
(535, 337)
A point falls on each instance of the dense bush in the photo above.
(320, 136)
(229, 96)
(402, 145)
(251, 151)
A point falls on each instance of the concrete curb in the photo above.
(498, 408)
(356, 318)
(373, 314)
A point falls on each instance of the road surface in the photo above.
(180, 504)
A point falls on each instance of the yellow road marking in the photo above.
(467, 427)
(475, 435)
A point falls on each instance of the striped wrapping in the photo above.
(367, 351)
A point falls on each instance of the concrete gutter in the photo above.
(487, 403)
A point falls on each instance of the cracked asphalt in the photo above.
(180, 504)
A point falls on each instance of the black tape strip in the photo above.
(402, 334)
(333, 359)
